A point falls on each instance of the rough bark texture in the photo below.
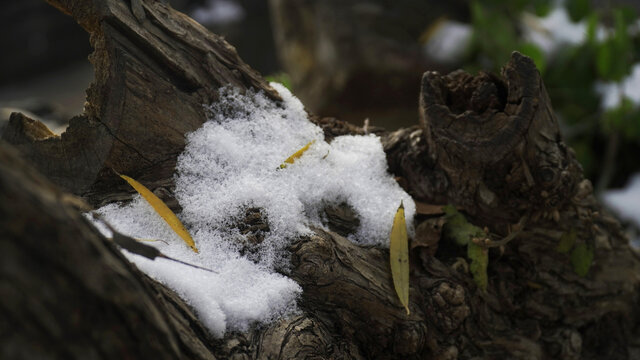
(154, 70)
(488, 145)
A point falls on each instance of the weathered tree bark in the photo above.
(154, 70)
(489, 145)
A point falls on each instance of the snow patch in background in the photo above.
(555, 30)
(218, 12)
(232, 163)
(449, 41)
(624, 202)
(612, 93)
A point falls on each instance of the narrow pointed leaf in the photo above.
(134, 246)
(463, 232)
(291, 159)
(479, 257)
(162, 210)
(399, 254)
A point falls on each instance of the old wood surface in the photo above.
(154, 69)
(487, 144)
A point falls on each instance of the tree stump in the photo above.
(488, 145)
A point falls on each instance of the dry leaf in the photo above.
(134, 246)
(399, 254)
(162, 210)
(296, 155)
(428, 209)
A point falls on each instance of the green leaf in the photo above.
(458, 228)
(567, 240)
(582, 258)
(479, 257)
(462, 232)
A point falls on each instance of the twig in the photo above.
(512, 235)
(130, 244)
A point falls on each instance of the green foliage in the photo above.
(578, 9)
(282, 78)
(534, 52)
(581, 253)
(582, 258)
(458, 229)
(569, 74)
(479, 257)
(613, 58)
(623, 119)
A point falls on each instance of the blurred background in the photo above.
(358, 60)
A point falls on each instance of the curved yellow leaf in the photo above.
(162, 210)
(399, 254)
(296, 155)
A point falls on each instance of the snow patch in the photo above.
(231, 164)
(626, 203)
(449, 42)
(552, 32)
(612, 93)
(218, 12)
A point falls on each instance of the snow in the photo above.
(233, 163)
(218, 12)
(612, 93)
(449, 42)
(625, 203)
(555, 30)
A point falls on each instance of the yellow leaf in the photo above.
(162, 210)
(399, 253)
(296, 155)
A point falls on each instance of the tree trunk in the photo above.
(488, 145)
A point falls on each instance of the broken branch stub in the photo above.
(491, 145)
